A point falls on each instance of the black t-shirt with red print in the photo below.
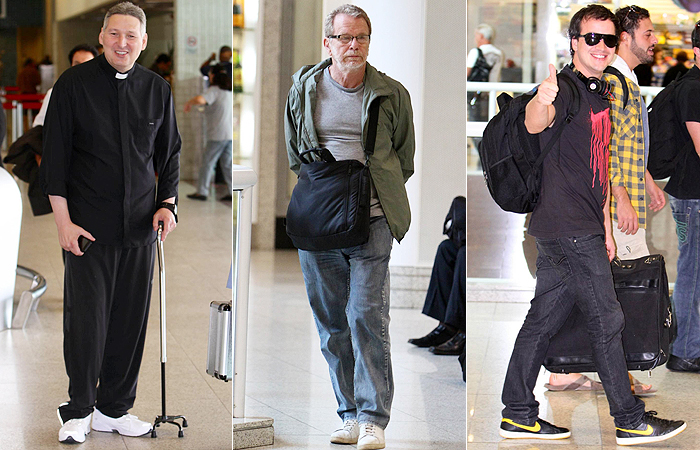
(575, 172)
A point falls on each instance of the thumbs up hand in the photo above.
(547, 91)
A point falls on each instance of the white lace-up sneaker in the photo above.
(126, 425)
(346, 435)
(371, 437)
(74, 430)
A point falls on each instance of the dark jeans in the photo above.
(573, 270)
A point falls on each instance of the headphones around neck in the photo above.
(593, 84)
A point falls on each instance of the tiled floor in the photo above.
(287, 378)
(500, 286)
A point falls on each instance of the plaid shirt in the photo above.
(627, 166)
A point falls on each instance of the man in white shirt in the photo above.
(78, 55)
(484, 58)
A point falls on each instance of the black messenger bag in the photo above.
(641, 286)
(329, 208)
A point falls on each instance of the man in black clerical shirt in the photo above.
(110, 127)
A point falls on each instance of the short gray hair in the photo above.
(486, 31)
(127, 9)
(349, 10)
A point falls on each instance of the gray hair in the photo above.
(127, 9)
(486, 31)
(349, 10)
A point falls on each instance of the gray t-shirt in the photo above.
(219, 114)
(338, 123)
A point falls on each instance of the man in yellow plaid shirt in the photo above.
(630, 181)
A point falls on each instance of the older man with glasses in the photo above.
(348, 288)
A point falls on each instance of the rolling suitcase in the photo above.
(642, 290)
(220, 351)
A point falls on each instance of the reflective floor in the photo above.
(287, 377)
(500, 273)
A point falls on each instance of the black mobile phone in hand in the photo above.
(84, 243)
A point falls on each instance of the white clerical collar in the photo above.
(121, 76)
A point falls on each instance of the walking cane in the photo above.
(164, 418)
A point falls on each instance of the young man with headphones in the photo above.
(631, 183)
(571, 224)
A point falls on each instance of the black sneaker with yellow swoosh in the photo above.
(652, 429)
(540, 430)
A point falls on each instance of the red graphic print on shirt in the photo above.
(600, 150)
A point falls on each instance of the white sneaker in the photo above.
(346, 435)
(126, 425)
(371, 437)
(74, 430)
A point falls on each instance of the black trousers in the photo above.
(106, 297)
(447, 295)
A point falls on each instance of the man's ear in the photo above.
(145, 41)
(625, 37)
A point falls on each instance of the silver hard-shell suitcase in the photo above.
(220, 351)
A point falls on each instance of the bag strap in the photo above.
(573, 110)
(372, 130)
(623, 83)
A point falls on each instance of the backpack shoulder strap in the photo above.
(372, 130)
(623, 82)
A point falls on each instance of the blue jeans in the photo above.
(348, 291)
(686, 294)
(215, 150)
(572, 270)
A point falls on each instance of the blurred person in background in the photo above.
(218, 110)
(225, 55)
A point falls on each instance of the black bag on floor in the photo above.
(329, 208)
(642, 290)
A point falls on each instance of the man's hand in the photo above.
(548, 90)
(68, 232)
(610, 246)
(657, 199)
(168, 218)
(540, 111)
(627, 220)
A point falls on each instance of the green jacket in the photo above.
(392, 162)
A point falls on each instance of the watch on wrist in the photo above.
(171, 206)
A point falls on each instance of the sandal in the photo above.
(638, 387)
(578, 385)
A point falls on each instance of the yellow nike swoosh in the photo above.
(646, 432)
(536, 428)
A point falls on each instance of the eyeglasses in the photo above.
(345, 39)
(592, 39)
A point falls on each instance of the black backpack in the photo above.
(511, 157)
(481, 69)
(667, 139)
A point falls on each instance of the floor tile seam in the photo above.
(293, 365)
(287, 416)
